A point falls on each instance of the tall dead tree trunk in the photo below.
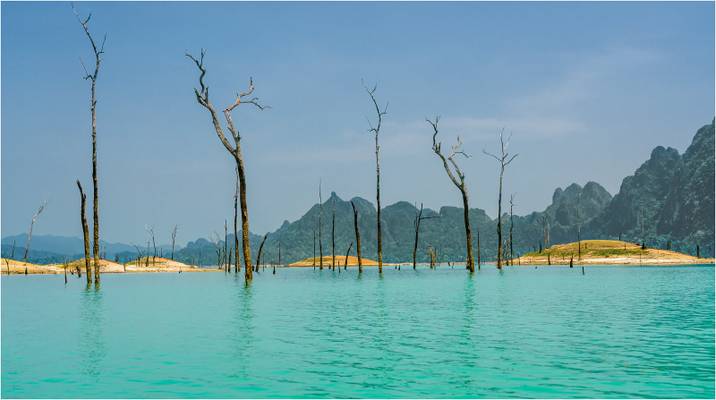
(479, 258)
(32, 225)
(458, 179)
(416, 224)
(375, 130)
(258, 257)
(345, 261)
(333, 239)
(512, 225)
(202, 97)
(238, 175)
(92, 77)
(175, 229)
(85, 233)
(279, 258)
(320, 226)
(357, 233)
(314, 250)
(504, 159)
(227, 256)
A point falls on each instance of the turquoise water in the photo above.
(546, 332)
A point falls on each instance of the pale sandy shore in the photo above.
(158, 264)
(340, 262)
(607, 252)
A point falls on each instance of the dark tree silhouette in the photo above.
(92, 77)
(458, 179)
(504, 159)
(375, 130)
(202, 97)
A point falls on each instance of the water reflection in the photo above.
(241, 335)
(92, 332)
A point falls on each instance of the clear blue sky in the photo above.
(587, 90)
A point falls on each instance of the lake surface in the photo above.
(525, 332)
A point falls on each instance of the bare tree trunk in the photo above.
(458, 179)
(174, 238)
(377, 195)
(470, 265)
(345, 261)
(504, 159)
(154, 246)
(12, 250)
(333, 239)
(512, 225)
(98, 51)
(314, 249)
(228, 262)
(29, 232)
(479, 258)
(236, 228)
(376, 132)
(85, 233)
(279, 258)
(261, 247)
(202, 97)
(227, 256)
(416, 225)
(499, 226)
(320, 226)
(357, 233)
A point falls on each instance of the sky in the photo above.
(586, 90)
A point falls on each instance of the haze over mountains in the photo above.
(667, 202)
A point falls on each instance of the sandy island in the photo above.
(607, 252)
(158, 264)
(340, 262)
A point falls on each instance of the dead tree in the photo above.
(504, 159)
(431, 254)
(279, 258)
(139, 256)
(479, 258)
(512, 225)
(579, 242)
(333, 239)
(545, 231)
(314, 250)
(202, 97)
(320, 225)
(375, 130)
(227, 254)
(345, 261)
(150, 231)
(92, 77)
(357, 233)
(215, 240)
(32, 225)
(175, 229)
(458, 179)
(261, 247)
(416, 224)
(85, 232)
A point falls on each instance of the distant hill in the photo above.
(668, 202)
